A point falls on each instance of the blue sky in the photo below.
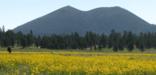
(17, 12)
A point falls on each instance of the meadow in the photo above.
(76, 63)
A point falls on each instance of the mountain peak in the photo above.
(68, 8)
(117, 7)
(107, 8)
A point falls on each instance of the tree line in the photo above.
(115, 40)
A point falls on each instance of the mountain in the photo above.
(99, 20)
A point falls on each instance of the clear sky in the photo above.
(17, 12)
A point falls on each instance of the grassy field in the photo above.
(47, 62)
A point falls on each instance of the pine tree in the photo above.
(102, 41)
(91, 39)
(130, 41)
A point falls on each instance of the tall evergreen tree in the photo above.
(103, 41)
(130, 41)
(91, 39)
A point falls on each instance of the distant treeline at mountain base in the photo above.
(116, 41)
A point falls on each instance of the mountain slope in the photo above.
(100, 20)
